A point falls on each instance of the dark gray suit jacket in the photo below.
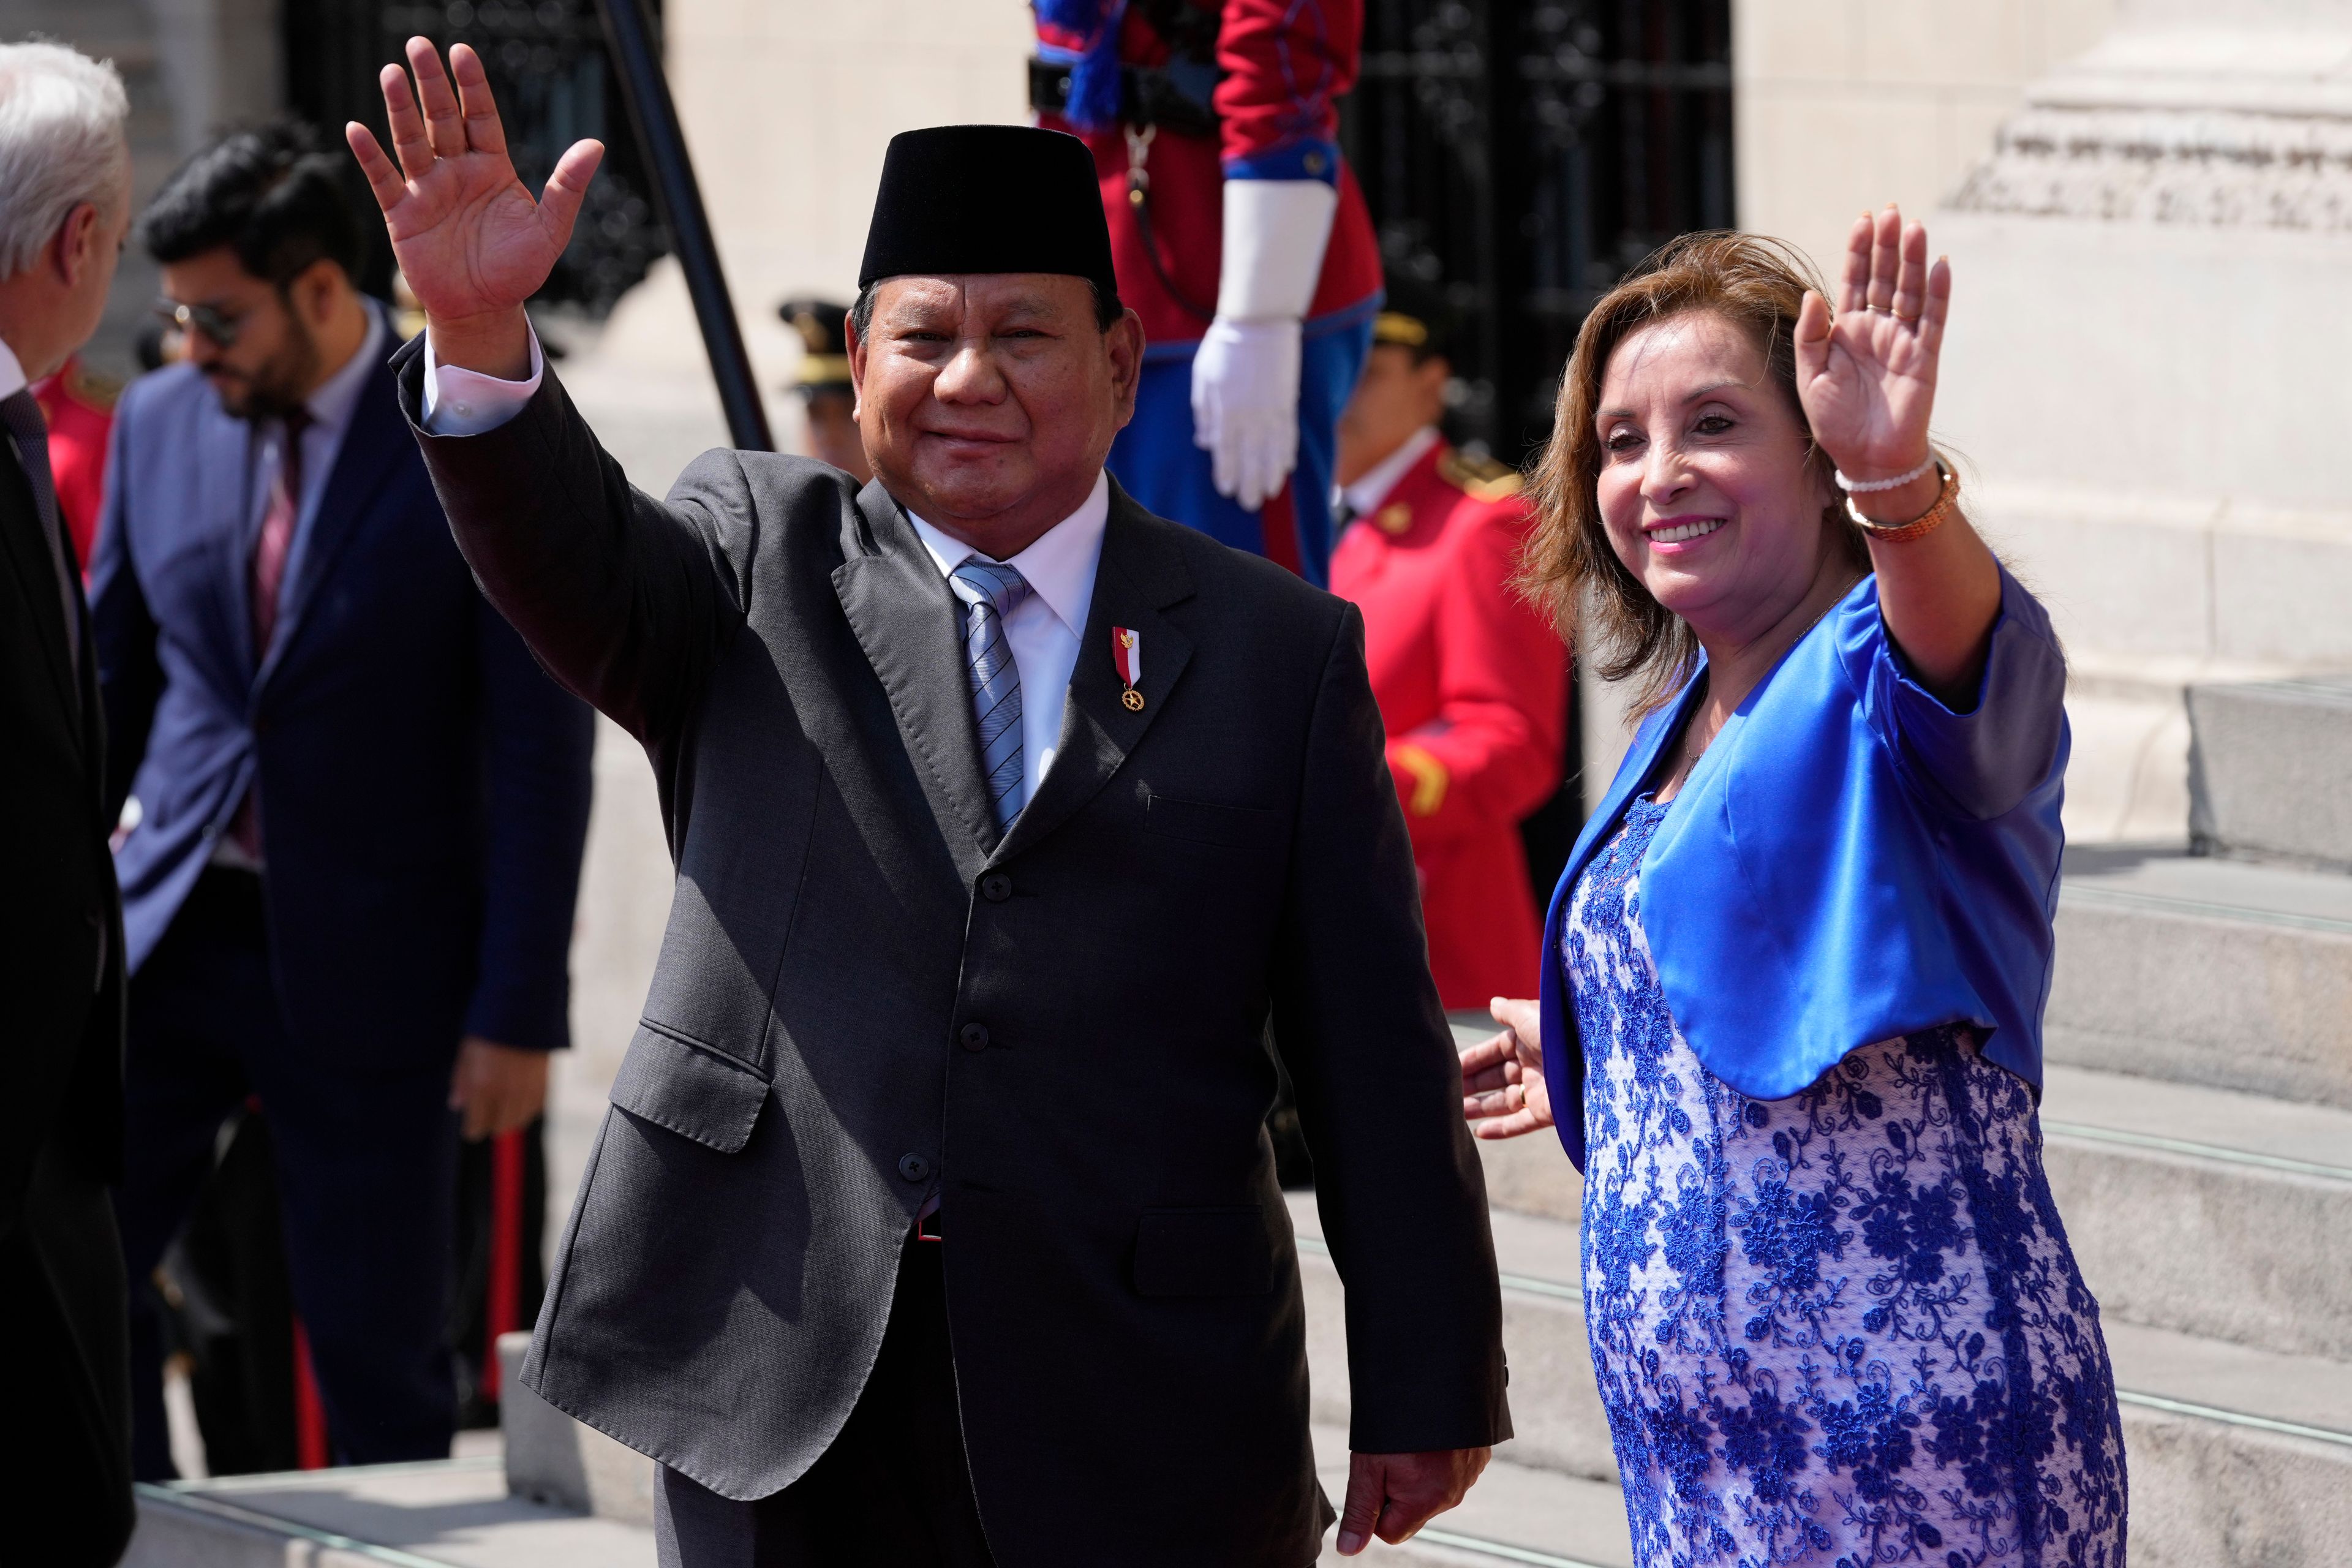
(865, 997)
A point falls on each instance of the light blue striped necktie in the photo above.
(990, 591)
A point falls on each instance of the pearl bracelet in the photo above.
(1865, 486)
(1947, 503)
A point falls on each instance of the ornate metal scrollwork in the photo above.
(1520, 154)
(547, 64)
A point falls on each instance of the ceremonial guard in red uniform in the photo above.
(1241, 239)
(1472, 683)
(79, 408)
(822, 381)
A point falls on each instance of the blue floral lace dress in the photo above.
(1840, 1329)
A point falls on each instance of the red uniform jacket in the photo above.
(80, 411)
(1473, 686)
(1284, 65)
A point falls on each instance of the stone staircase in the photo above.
(548, 1492)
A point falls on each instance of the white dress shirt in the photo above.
(1364, 497)
(1046, 629)
(12, 371)
(1043, 631)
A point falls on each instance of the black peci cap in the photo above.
(989, 198)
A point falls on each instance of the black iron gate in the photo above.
(554, 83)
(1517, 156)
(1520, 154)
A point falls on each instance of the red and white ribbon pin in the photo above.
(1126, 657)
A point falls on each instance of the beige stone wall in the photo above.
(787, 106)
(1844, 104)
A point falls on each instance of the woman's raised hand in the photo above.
(471, 242)
(1503, 1092)
(1868, 378)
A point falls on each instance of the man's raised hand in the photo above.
(471, 242)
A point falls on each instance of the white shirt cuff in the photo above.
(460, 402)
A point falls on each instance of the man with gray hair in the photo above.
(65, 204)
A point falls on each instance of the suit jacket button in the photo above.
(975, 1037)
(996, 887)
(914, 1167)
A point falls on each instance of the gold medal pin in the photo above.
(1126, 655)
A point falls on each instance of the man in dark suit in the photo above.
(361, 806)
(62, 1369)
(935, 1221)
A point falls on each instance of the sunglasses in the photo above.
(205, 319)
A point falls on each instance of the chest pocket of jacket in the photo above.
(695, 1093)
(1223, 1251)
(1201, 822)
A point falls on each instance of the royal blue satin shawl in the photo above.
(1850, 860)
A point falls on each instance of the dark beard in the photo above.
(270, 394)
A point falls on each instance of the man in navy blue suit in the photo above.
(359, 804)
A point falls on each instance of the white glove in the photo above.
(1245, 375)
(1246, 405)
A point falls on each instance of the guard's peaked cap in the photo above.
(988, 198)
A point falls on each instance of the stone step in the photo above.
(565, 1463)
(2217, 1213)
(2205, 971)
(2238, 1455)
(2269, 763)
(449, 1513)
(1518, 1513)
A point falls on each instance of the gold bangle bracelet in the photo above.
(1948, 501)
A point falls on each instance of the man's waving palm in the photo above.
(472, 244)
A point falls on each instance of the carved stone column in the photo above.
(2151, 366)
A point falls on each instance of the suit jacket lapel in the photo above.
(376, 439)
(1139, 576)
(37, 573)
(907, 620)
(221, 499)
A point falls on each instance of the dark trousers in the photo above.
(365, 1165)
(65, 1462)
(893, 1491)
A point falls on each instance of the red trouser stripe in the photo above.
(310, 1411)
(506, 1253)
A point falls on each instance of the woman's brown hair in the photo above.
(1571, 571)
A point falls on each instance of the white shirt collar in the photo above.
(1059, 566)
(331, 405)
(1368, 492)
(12, 371)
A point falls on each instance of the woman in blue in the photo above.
(1795, 971)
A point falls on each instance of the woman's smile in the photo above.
(1678, 535)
